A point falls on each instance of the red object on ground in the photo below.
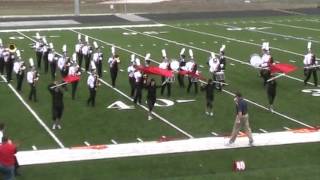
(95, 147)
(7, 154)
(282, 68)
(156, 70)
(71, 79)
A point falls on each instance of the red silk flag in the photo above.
(192, 74)
(282, 68)
(156, 70)
(71, 79)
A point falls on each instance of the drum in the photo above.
(219, 76)
(174, 65)
(255, 60)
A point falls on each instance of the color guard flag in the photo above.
(156, 70)
(71, 79)
(282, 68)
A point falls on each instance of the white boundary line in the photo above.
(270, 33)
(167, 147)
(123, 94)
(291, 26)
(252, 102)
(40, 121)
(82, 28)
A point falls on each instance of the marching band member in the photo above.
(267, 61)
(165, 65)
(192, 67)
(39, 50)
(74, 70)
(78, 49)
(19, 68)
(113, 64)
(2, 50)
(9, 60)
(147, 60)
(45, 53)
(92, 83)
(138, 86)
(87, 52)
(32, 78)
(64, 62)
(310, 66)
(57, 104)
(53, 60)
(131, 70)
(151, 96)
(271, 92)
(215, 69)
(97, 58)
(222, 58)
(209, 89)
(182, 64)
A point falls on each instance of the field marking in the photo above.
(286, 128)
(167, 147)
(271, 33)
(252, 102)
(81, 28)
(113, 141)
(232, 39)
(215, 134)
(86, 143)
(139, 139)
(34, 147)
(291, 26)
(122, 93)
(262, 130)
(35, 115)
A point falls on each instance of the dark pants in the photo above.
(271, 97)
(19, 81)
(190, 84)
(74, 89)
(113, 74)
(1, 65)
(8, 172)
(166, 85)
(87, 62)
(181, 80)
(33, 93)
(209, 102)
(137, 94)
(151, 103)
(9, 68)
(92, 98)
(308, 73)
(132, 84)
(57, 112)
(46, 62)
(265, 74)
(53, 68)
(99, 68)
(39, 57)
(80, 59)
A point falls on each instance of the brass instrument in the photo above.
(12, 48)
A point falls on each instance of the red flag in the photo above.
(71, 79)
(192, 74)
(156, 70)
(282, 68)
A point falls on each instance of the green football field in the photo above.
(288, 37)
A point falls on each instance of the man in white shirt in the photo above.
(92, 82)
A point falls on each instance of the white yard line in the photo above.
(139, 139)
(167, 147)
(291, 26)
(86, 143)
(113, 141)
(35, 115)
(82, 28)
(252, 102)
(215, 134)
(262, 130)
(232, 39)
(271, 33)
(123, 94)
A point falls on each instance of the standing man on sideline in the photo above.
(242, 119)
(7, 159)
(57, 104)
(209, 89)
